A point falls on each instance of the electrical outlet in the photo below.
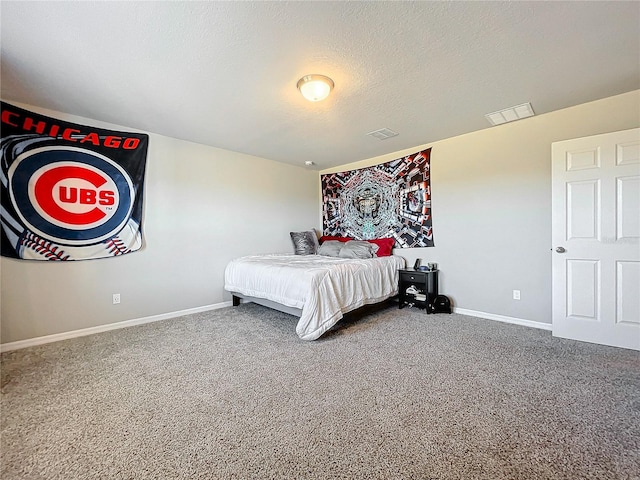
(516, 294)
(116, 298)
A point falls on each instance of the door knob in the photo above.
(560, 249)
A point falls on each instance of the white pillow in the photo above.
(358, 249)
(330, 248)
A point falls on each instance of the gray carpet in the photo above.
(393, 394)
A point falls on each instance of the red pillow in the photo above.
(385, 244)
(340, 239)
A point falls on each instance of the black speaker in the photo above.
(441, 304)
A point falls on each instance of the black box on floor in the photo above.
(441, 304)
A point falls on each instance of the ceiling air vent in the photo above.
(382, 134)
(510, 114)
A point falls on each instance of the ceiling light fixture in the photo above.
(315, 87)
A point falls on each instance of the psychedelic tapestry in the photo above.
(69, 191)
(391, 199)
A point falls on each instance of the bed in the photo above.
(318, 289)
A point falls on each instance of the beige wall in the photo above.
(491, 198)
(203, 206)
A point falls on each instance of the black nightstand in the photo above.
(425, 282)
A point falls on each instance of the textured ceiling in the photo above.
(224, 73)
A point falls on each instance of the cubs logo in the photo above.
(70, 195)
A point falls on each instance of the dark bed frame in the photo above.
(237, 298)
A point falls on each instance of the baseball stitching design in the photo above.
(116, 246)
(43, 247)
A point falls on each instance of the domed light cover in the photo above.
(315, 87)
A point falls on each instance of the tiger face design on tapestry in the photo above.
(389, 200)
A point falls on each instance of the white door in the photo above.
(596, 239)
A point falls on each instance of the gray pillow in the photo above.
(304, 243)
(358, 249)
(330, 248)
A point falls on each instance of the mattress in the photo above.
(323, 288)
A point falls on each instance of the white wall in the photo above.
(202, 207)
(491, 199)
(205, 206)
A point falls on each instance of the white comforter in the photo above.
(324, 288)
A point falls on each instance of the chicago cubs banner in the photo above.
(69, 191)
(392, 199)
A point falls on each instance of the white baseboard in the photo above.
(504, 318)
(30, 342)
